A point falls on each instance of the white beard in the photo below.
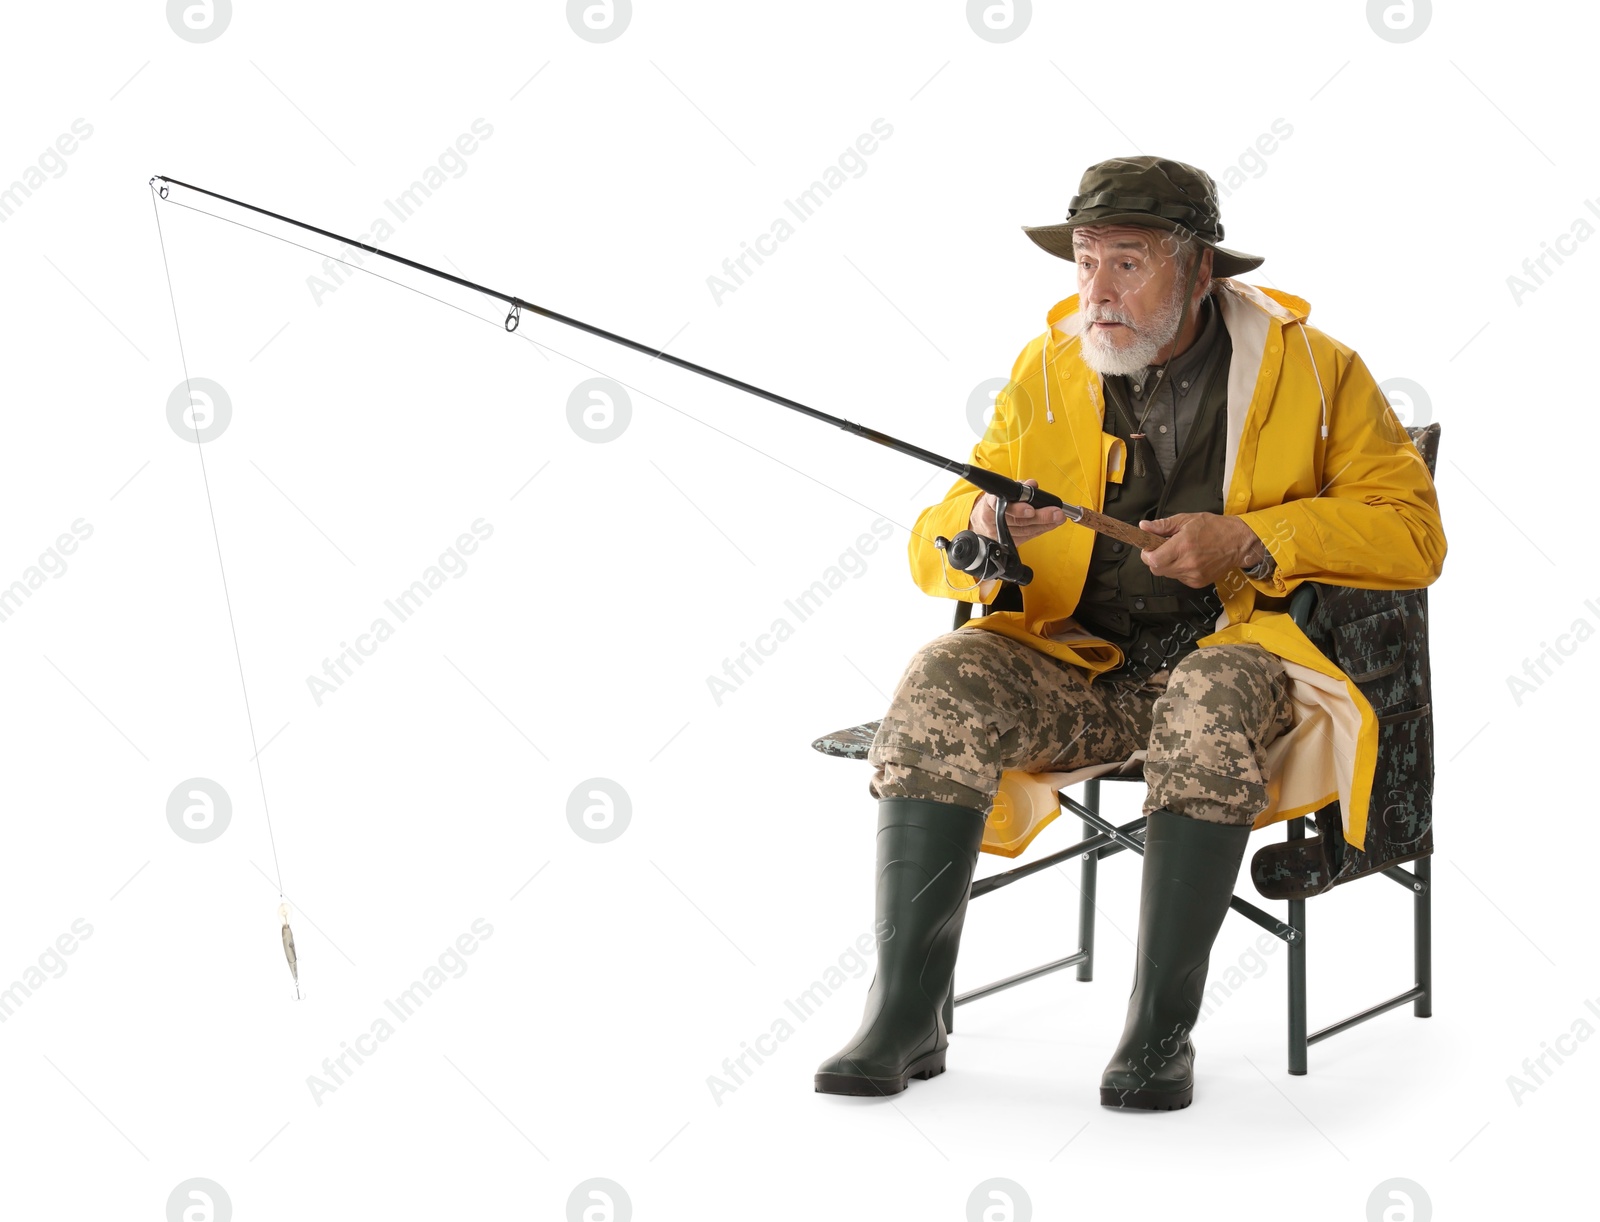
(1099, 354)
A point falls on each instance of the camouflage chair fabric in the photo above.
(1379, 638)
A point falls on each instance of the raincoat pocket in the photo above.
(1114, 462)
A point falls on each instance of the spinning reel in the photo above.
(984, 558)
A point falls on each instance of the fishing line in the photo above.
(980, 557)
(227, 597)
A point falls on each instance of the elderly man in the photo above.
(1170, 395)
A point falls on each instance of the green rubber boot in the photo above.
(927, 852)
(1189, 871)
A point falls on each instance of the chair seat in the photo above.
(851, 744)
(854, 743)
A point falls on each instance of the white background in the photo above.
(370, 430)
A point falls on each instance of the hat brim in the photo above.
(1057, 239)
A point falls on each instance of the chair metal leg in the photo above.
(950, 1008)
(1105, 841)
(1086, 888)
(1422, 930)
(1102, 839)
(1297, 971)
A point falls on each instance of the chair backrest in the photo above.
(1379, 638)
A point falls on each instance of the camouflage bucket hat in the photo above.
(1150, 191)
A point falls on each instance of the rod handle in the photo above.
(1117, 529)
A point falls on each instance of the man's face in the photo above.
(1130, 291)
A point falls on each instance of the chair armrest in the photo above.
(1007, 598)
(1303, 604)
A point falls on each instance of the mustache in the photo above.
(1100, 314)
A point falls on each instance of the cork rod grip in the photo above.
(1131, 535)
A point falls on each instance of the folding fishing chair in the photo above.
(1379, 638)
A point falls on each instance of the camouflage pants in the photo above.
(973, 703)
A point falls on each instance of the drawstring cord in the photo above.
(1044, 376)
(1320, 395)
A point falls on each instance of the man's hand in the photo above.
(1024, 521)
(1201, 547)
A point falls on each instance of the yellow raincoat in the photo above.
(1316, 463)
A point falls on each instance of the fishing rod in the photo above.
(969, 552)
